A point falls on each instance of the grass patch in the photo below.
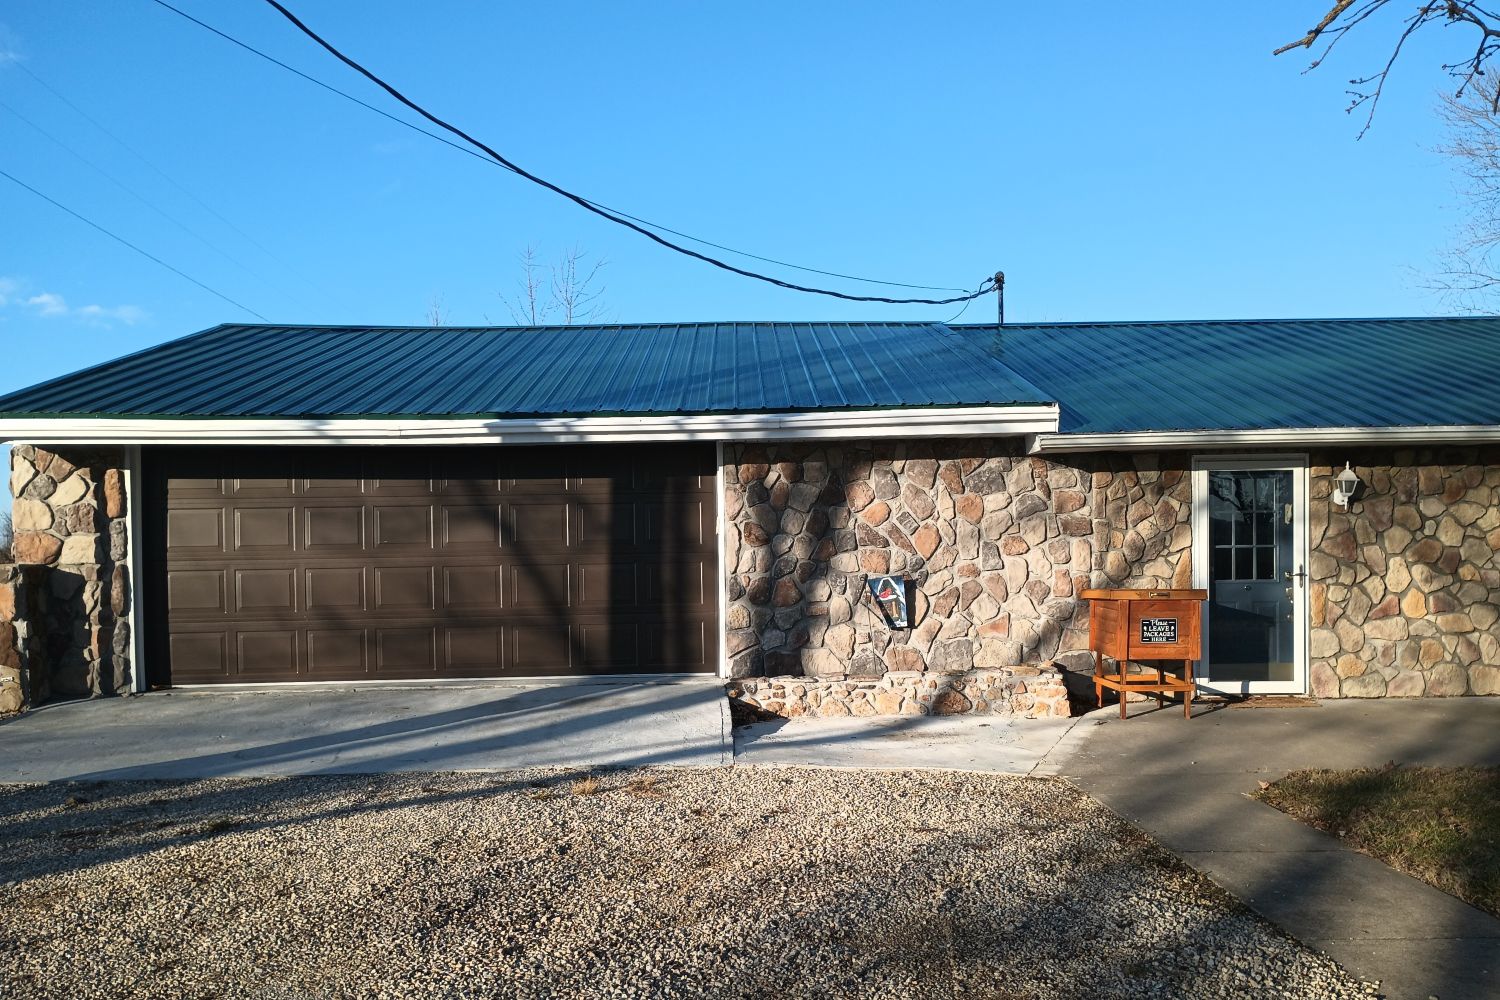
(589, 785)
(1440, 824)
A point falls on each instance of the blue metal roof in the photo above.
(1107, 377)
(1234, 375)
(688, 368)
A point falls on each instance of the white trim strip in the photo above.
(1267, 438)
(937, 422)
(135, 499)
(721, 589)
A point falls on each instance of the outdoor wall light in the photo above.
(1344, 486)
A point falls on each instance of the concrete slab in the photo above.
(1188, 784)
(954, 743)
(333, 730)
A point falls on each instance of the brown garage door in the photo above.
(312, 564)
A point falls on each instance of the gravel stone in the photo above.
(736, 882)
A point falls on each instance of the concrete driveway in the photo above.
(1187, 783)
(354, 730)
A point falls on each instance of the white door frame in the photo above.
(1297, 464)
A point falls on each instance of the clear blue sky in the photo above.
(1141, 161)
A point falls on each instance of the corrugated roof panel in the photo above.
(1105, 376)
(532, 371)
(1227, 375)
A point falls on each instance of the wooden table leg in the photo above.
(1124, 667)
(1161, 694)
(1098, 672)
(1187, 696)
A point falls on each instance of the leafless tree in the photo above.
(1472, 268)
(436, 312)
(530, 306)
(574, 291)
(7, 536)
(569, 289)
(1344, 16)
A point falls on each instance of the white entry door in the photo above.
(1250, 554)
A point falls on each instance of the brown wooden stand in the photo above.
(1145, 625)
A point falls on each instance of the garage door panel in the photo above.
(337, 654)
(206, 652)
(540, 649)
(266, 591)
(602, 524)
(536, 588)
(677, 585)
(264, 528)
(335, 589)
(403, 588)
(191, 528)
(684, 523)
(470, 588)
(471, 526)
(334, 527)
(267, 487)
(607, 647)
(606, 586)
(477, 651)
(196, 591)
(323, 564)
(676, 646)
(406, 525)
(266, 652)
(405, 652)
(537, 525)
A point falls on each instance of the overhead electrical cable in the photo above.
(120, 239)
(620, 218)
(152, 164)
(132, 192)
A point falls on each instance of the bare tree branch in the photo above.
(1471, 272)
(1344, 15)
(436, 313)
(573, 291)
(530, 307)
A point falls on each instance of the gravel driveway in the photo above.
(717, 883)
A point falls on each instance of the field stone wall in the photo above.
(1405, 585)
(999, 544)
(72, 539)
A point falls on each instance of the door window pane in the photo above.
(1250, 626)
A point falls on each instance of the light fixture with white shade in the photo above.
(1344, 486)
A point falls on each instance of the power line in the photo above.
(150, 163)
(487, 160)
(131, 191)
(620, 218)
(120, 239)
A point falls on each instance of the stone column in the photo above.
(69, 518)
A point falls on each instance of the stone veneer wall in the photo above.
(999, 545)
(72, 539)
(1405, 591)
(1031, 692)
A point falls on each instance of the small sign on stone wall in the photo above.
(891, 598)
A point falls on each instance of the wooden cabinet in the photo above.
(1146, 625)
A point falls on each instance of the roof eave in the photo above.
(925, 422)
(1263, 437)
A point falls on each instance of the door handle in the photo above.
(1300, 576)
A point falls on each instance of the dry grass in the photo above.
(645, 785)
(1439, 824)
(587, 785)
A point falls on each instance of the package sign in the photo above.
(1158, 631)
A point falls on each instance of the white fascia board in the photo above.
(1265, 438)
(892, 423)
